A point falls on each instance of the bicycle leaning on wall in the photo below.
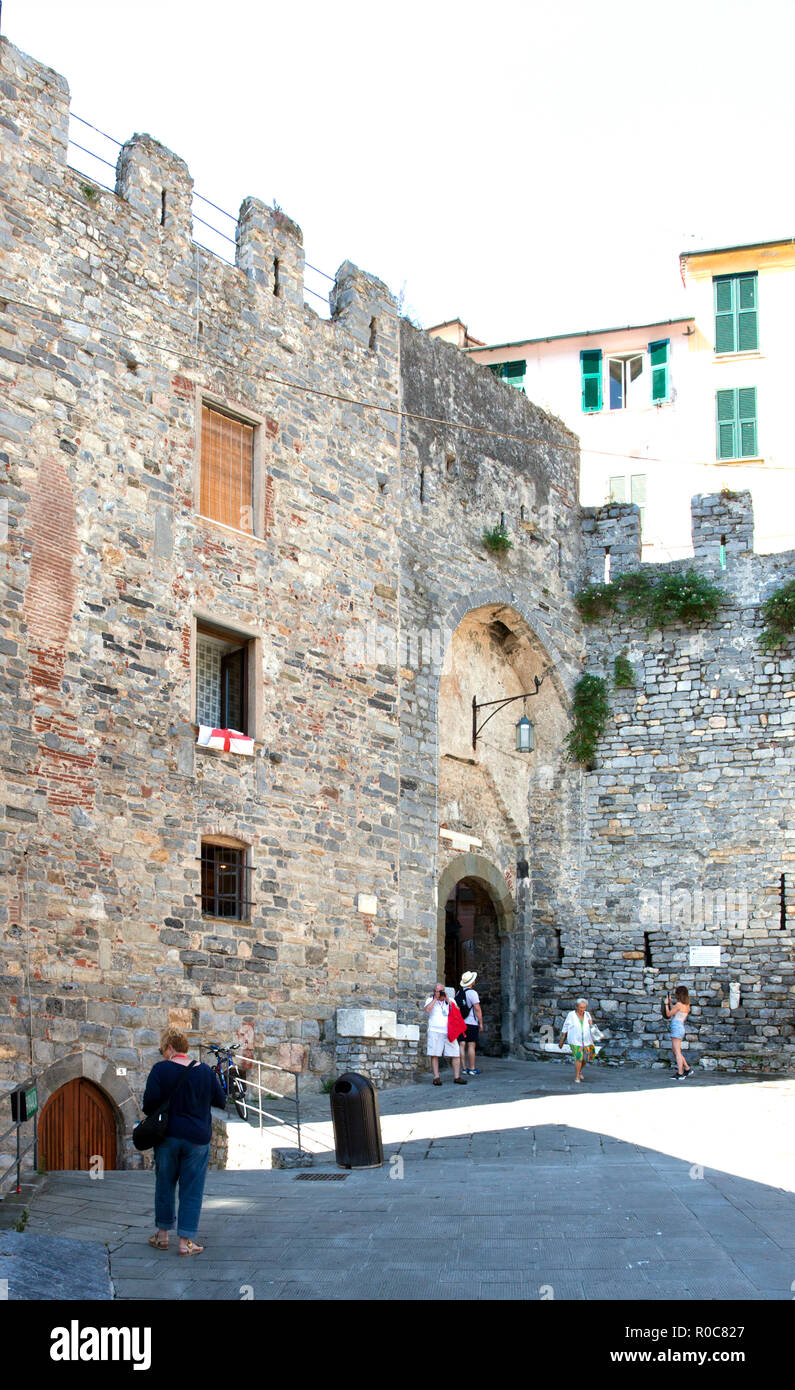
(229, 1076)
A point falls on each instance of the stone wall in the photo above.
(382, 1060)
(115, 328)
(371, 1041)
(686, 823)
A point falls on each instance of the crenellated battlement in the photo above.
(156, 187)
(270, 250)
(156, 183)
(722, 525)
(612, 542)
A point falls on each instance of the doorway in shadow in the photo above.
(472, 942)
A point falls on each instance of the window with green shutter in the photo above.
(659, 358)
(736, 319)
(512, 372)
(736, 423)
(591, 367)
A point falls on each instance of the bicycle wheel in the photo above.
(237, 1090)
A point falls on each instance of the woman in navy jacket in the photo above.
(182, 1157)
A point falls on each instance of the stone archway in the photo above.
(485, 912)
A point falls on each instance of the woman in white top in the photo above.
(576, 1032)
(437, 1007)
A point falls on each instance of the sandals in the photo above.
(191, 1249)
(158, 1244)
(437, 1081)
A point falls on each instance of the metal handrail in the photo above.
(260, 1089)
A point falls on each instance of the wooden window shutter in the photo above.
(724, 314)
(726, 411)
(658, 357)
(747, 329)
(746, 416)
(227, 467)
(591, 366)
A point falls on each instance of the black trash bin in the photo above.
(357, 1124)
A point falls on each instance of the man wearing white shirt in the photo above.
(577, 1033)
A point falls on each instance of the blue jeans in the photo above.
(179, 1161)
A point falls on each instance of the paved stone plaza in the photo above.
(631, 1186)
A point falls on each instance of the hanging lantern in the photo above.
(525, 735)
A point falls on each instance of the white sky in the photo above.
(530, 167)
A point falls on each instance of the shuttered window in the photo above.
(736, 319)
(591, 367)
(659, 354)
(736, 423)
(227, 469)
(512, 372)
(637, 491)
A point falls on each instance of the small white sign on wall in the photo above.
(705, 955)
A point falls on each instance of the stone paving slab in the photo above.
(44, 1267)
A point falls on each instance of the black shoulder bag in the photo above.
(150, 1132)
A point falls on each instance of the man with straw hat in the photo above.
(468, 1001)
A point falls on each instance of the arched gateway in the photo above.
(476, 917)
(497, 802)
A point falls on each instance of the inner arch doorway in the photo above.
(472, 942)
(77, 1127)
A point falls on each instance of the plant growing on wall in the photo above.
(497, 539)
(778, 612)
(623, 674)
(590, 712)
(660, 600)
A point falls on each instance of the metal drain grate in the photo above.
(320, 1177)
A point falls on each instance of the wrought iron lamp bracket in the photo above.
(500, 704)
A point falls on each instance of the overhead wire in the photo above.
(179, 351)
(232, 218)
(365, 404)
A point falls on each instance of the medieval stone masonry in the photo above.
(223, 510)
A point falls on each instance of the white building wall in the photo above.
(673, 445)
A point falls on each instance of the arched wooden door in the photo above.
(76, 1125)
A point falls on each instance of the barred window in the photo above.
(225, 882)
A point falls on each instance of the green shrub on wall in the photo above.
(497, 540)
(590, 712)
(660, 600)
(623, 674)
(779, 614)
